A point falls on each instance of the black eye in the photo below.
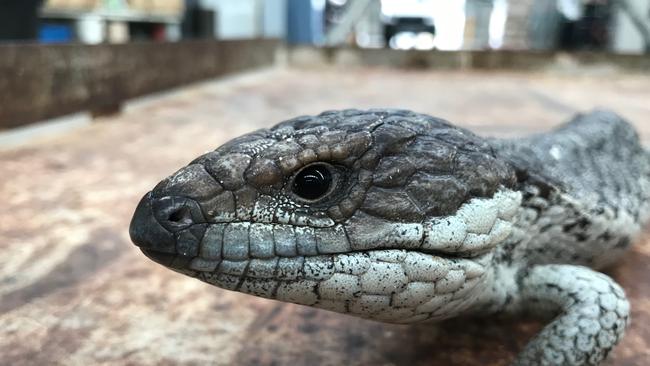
(312, 182)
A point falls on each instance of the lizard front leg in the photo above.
(591, 314)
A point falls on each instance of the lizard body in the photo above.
(401, 217)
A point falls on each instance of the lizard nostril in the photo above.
(181, 216)
(176, 213)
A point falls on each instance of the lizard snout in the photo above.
(168, 229)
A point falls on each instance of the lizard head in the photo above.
(384, 214)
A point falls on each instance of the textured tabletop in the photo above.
(74, 290)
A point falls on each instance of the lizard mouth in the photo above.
(166, 259)
(242, 248)
(171, 231)
(297, 267)
(395, 285)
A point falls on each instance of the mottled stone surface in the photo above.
(74, 290)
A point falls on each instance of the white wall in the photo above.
(627, 38)
(237, 19)
(275, 18)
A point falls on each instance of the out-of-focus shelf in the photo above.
(112, 15)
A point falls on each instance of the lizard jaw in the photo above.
(398, 286)
(394, 272)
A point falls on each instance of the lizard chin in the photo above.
(399, 286)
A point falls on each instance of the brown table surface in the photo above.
(73, 290)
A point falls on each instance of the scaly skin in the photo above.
(422, 221)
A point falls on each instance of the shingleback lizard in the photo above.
(402, 217)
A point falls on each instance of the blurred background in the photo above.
(101, 99)
(612, 25)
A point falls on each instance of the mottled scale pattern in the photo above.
(419, 220)
(586, 186)
(386, 284)
(595, 315)
(609, 168)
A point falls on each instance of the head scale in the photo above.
(378, 213)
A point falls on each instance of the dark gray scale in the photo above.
(422, 167)
(596, 169)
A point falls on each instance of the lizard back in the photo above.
(586, 189)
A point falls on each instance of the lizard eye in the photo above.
(312, 182)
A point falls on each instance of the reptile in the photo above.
(401, 217)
